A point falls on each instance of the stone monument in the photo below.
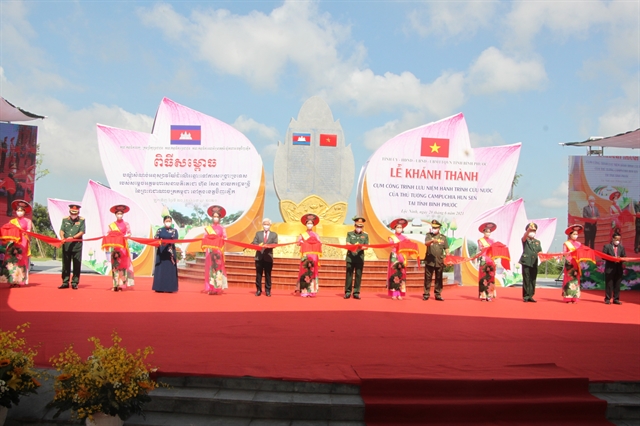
(314, 173)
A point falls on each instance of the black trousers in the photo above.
(590, 231)
(263, 266)
(69, 257)
(529, 276)
(429, 271)
(612, 282)
(356, 265)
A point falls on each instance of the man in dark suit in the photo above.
(613, 270)
(590, 228)
(529, 261)
(264, 257)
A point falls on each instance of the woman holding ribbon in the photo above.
(486, 264)
(121, 264)
(18, 251)
(396, 269)
(571, 278)
(215, 279)
(165, 272)
(310, 249)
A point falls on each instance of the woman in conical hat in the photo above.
(486, 266)
(215, 272)
(308, 283)
(571, 276)
(396, 268)
(121, 263)
(18, 250)
(615, 211)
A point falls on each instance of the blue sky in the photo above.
(534, 72)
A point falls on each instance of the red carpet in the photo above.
(336, 340)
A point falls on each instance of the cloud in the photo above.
(452, 19)
(375, 138)
(560, 197)
(17, 49)
(478, 140)
(249, 125)
(260, 48)
(493, 71)
(623, 114)
(618, 20)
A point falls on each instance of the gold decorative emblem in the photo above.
(335, 213)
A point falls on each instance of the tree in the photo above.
(40, 172)
(41, 225)
(514, 183)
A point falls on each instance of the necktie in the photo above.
(591, 211)
(265, 237)
(615, 251)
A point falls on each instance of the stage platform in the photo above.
(330, 339)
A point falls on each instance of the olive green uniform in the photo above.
(71, 251)
(529, 261)
(355, 263)
(434, 264)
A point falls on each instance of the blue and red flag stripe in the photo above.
(186, 135)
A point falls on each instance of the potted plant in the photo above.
(108, 387)
(17, 376)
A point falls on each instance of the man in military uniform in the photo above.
(355, 259)
(437, 249)
(529, 261)
(72, 228)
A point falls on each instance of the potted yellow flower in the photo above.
(108, 387)
(17, 376)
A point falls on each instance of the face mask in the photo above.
(266, 227)
(309, 226)
(532, 234)
(399, 230)
(435, 231)
(216, 220)
(615, 243)
(487, 234)
(167, 224)
(358, 230)
(73, 216)
(592, 203)
(574, 237)
(119, 217)
(20, 213)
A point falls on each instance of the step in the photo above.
(172, 419)
(623, 400)
(221, 401)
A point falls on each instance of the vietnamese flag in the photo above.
(434, 147)
(328, 140)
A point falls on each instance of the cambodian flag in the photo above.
(185, 135)
(302, 139)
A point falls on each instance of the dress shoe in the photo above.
(606, 302)
(74, 287)
(258, 293)
(425, 297)
(268, 294)
(356, 296)
(617, 302)
(64, 286)
(532, 300)
(440, 299)
(347, 296)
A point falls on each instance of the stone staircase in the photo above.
(623, 401)
(241, 272)
(243, 401)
